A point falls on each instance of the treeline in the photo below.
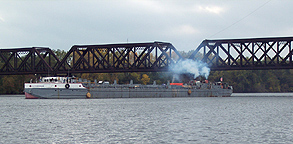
(257, 80)
(241, 80)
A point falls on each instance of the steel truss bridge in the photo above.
(227, 54)
(246, 54)
(130, 57)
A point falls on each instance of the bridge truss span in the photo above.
(35, 60)
(246, 54)
(129, 57)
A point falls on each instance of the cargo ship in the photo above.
(71, 88)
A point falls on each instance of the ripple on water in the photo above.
(158, 120)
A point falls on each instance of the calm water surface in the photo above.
(147, 120)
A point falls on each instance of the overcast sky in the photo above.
(184, 23)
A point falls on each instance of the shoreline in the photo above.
(12, 95)
(287, 94)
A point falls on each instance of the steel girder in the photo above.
(35, 60)
(129, 57)
(246, 54)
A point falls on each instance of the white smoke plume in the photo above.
(190, 66)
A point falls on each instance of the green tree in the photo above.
(60, 54)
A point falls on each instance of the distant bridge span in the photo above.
(246, 54)
(226, 54)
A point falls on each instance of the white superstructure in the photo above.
(55, 87)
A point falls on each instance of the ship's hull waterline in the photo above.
(157, 93)
(51, 93)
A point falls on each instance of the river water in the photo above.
(147, 120)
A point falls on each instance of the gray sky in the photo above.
(184, 23)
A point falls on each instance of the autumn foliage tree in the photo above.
(145, 79)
